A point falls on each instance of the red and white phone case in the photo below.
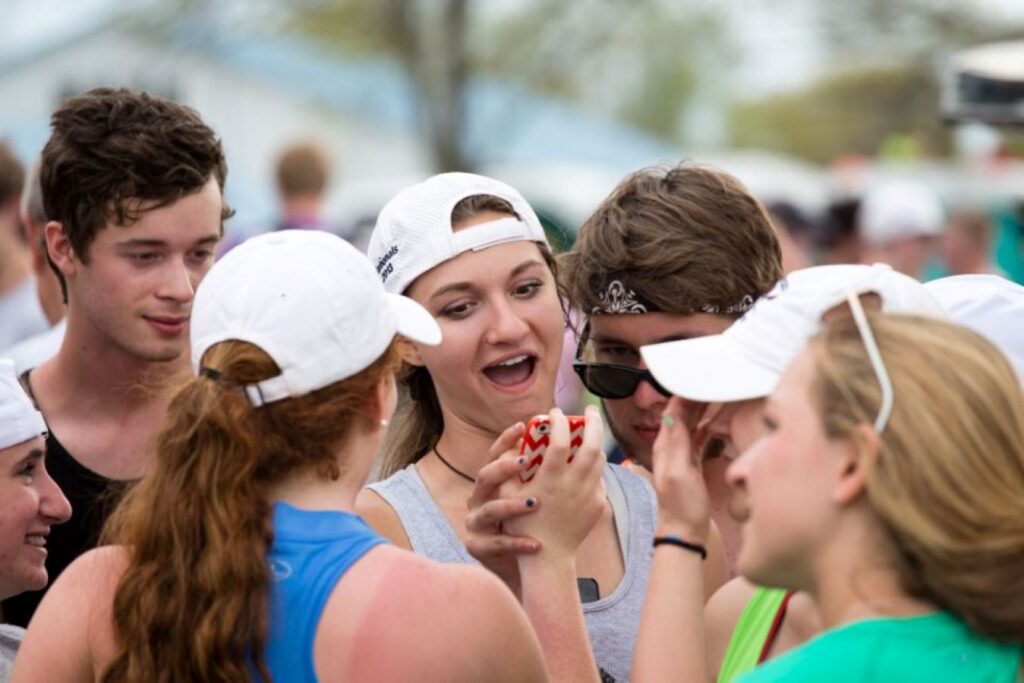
(538, 437)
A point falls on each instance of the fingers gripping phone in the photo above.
(538, 437)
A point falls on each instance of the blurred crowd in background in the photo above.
(832, 116)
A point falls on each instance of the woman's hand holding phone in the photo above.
(568, 487)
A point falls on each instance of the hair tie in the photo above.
(210, 373)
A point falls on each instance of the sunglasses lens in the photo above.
(611, 382)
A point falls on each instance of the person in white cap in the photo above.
(239, 555)
(736, 370)
(990, 305)
(30, 503)
(885, 486)
(473, 252)
(900, 222)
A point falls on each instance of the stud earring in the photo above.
(383, 424)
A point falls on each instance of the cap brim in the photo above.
(709, 369)
(414, 321)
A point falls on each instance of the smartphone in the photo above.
(537, 438)
(589, 590)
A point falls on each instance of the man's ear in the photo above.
(856, 456)
(62, 254)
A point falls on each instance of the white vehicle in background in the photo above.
(986, 84)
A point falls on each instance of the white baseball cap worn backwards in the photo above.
(414, 230)
(312, 302)
(19, 419)
(747, 360)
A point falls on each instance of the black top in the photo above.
(92, 499)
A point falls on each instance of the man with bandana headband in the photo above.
(670, 254)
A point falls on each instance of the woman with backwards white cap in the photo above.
(473, 252)
(30, 502)
(238, 557)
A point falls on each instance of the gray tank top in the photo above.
(612, 621)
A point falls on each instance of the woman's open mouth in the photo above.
(512, 373)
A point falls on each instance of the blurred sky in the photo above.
(779, 49)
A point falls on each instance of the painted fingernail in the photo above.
(530, 502)
(668, 420)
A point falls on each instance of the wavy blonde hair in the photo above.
(193, 604)
(949, 479)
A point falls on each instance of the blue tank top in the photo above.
(311, 551)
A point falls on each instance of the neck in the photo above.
(854, 581)
(301, 208)
(465, 445)
(309, 490)
(92, 371)
(979, 266)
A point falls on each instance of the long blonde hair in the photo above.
(193, 603)
(948, 484)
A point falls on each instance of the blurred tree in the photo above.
(637, 60)
(905, 30)
(855, 111)
(883, 62)
(632, 60)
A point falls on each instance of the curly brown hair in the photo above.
(116, 153)
(688, 238)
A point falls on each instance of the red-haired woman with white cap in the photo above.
(238, 557)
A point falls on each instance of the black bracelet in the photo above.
(680, 543)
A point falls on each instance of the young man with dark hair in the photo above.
(132, 188)
(670, 254)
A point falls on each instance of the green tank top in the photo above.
(751, 632)
(925, 649)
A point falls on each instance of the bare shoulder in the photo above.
(76, 612)
(379, 514)
(721, 614)
(450, 622)
(727, 604)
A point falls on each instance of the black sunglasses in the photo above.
(608, 380)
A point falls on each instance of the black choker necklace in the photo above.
(453, 468)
